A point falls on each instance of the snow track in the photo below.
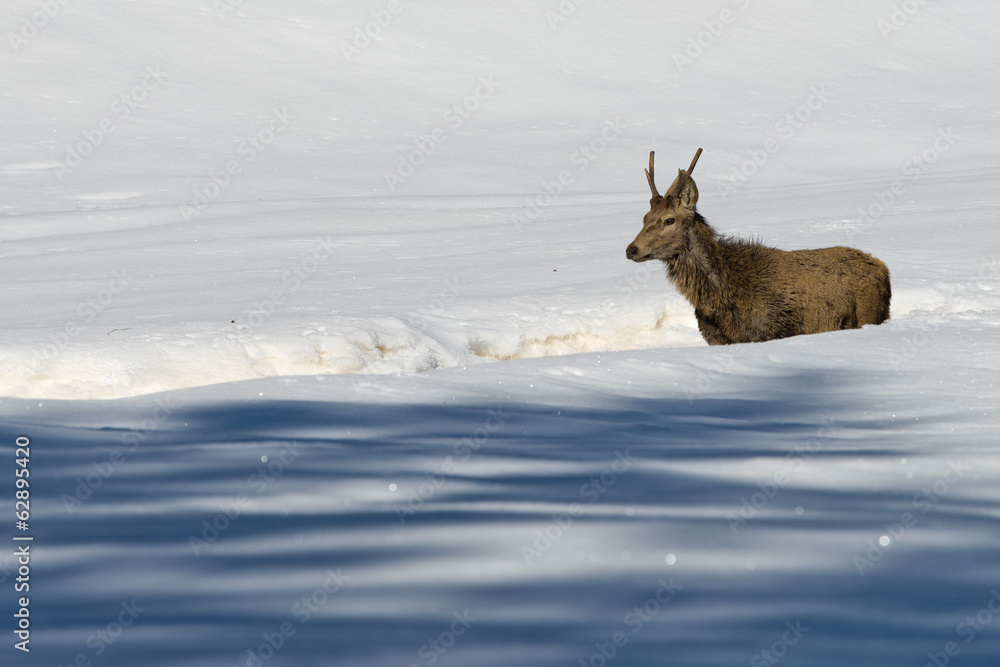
(135, 360)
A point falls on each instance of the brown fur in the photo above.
(743, 291)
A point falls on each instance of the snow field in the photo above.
(318, 322)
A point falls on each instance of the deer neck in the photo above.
(696, 270)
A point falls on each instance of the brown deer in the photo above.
(743, 291)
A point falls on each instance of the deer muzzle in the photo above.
(632, 251)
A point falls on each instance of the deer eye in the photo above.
(668, 222)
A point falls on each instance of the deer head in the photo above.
(664, 227)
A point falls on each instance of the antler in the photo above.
(694, 162)
(683, 176)
(649, 176)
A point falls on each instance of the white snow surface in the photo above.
(318, 320)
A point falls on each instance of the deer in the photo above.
(746, 292)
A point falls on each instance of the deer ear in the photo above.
(687, 191)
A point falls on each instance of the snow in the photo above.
(328, 351)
